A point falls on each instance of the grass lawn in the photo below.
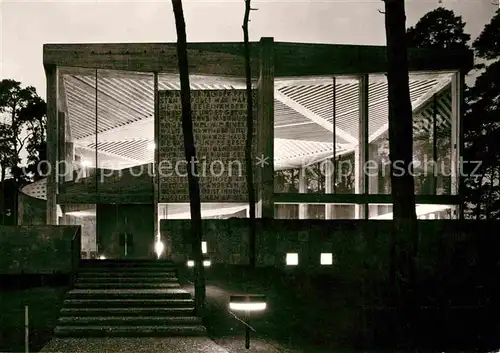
(44, 304)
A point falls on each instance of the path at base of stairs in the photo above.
(135, 345)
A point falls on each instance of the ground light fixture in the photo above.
(247, 303)
(206, 263)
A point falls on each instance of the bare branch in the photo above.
(21, 142)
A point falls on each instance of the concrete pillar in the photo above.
(70, 160)
(373, 177)
(266, 124)
(156, 160)
(329, 180)
(361, 151)
(457, 101)
(51, 74)
(302, 190)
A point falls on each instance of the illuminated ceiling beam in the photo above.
(417, 105)
(89, 153)
(138, 130)
(313, 116)
(422, 101)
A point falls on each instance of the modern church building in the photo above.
(321, 147)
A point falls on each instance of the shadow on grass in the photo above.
(44, 305)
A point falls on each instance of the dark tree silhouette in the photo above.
(34, 118)
(482, 129)
(24, 129)
(439, 29)
(190, 152)
(487, 45)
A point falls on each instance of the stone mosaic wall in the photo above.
(219, 125)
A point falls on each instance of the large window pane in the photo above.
(431, 103)
(423, 211)
(125, 139)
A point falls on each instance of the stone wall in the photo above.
(31, 211)
(88, 232)
(37, 249)
(357, 246)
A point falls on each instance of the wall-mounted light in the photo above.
(206, 263)
(247, 303)
(102, 257)
(292, 259)
(326, 259)
(204, 247)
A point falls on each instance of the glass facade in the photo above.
(358, 112)
(331, 148)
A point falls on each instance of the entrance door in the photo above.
(125, 231)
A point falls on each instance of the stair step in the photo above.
(138, 311)
(117, 285)
(128, 320)
(125, 263)
(89, 279)
(122, 273)
(173, 293)
(129, 331)
(129, 303)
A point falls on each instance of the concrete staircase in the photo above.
(128, 298)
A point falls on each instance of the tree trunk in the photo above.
(3, 174)
(478, 197)
(404, 234)
(490, 197)
(248, 147)
(190, 153)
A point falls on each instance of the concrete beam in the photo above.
(51, 75)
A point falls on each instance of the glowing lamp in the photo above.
(206, 263)
(326, 259)
(159, 247)
(292, 259)
(102, 257)
(247, 303)
(204, 247)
